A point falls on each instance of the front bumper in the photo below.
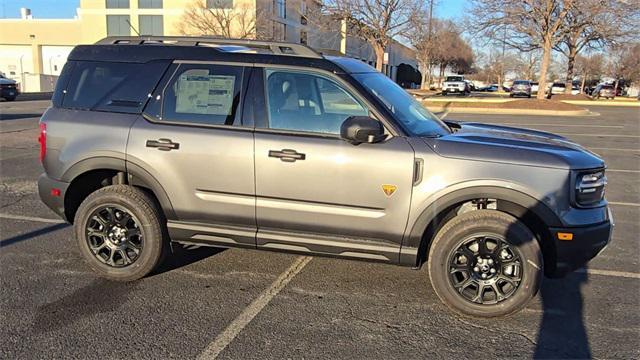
(46, 187)
(586, 244)
(8, 93)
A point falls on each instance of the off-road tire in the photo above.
(151, 225)
(516, 235)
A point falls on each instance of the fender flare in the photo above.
(93, 163)
(136, 175)
(411, 245)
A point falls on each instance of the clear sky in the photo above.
(52, 9)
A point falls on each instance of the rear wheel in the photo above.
(485, 263)
(120, 233)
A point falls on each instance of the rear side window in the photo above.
(203, 94)
(109, 86)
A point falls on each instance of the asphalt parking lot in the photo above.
(241, 304)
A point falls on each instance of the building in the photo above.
(33, 51)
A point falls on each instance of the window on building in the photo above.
(279, 31)
(205, 94)
(151, 25)
(220, 4)
(117, 25)
(150, 4)
(303, 37)
(307, 102)
(280, 8)
(117, 4)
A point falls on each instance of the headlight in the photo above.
(590, 188)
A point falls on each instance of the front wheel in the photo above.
(120, 233)
(485, 263)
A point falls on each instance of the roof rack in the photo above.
(272, 47)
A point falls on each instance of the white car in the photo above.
(455, 85)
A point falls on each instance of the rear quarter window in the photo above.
(111, 86)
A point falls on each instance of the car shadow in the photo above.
(182, 255)
(562, 333)
(32, 234)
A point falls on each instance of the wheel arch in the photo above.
(532, 212)
(88, 175)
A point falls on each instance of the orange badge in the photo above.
(389, 189)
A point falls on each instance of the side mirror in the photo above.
(362, 129)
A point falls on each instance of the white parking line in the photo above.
(623, 274)
(30, 218)
(623, 203)
(567, 125)
(623, 171)
(236, 326)
(613, 149)
(599, 135)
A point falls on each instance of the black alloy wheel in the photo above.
(114, 236)
(485, 269)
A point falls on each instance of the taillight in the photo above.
(42, 139)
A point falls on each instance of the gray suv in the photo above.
(233, 143)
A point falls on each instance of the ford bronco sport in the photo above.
(233, 143)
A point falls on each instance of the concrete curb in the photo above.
(603, 103)
(583, 112)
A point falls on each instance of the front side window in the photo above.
(204, 94)
(307, 102)
(151, 25)
(118, 25)
(403, 107)
(117, 4)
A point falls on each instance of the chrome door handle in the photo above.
(287, 155)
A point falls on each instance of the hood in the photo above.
(493, 143)
(7, 81)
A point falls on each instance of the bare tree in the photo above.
(591, 23)
(238, 22)
(589, 68)
(420, 35)
(376, 21)
(450, 50)
(526, 65)
(524, 25)
(625, 63)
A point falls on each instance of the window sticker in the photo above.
(205, 94)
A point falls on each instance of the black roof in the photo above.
(144, 49)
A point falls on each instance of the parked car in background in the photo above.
(534, 87)
(556, 88)
(455, 85)
(490, 88)
(604, 90)
(8, 88)
(470, 85)
(521, 88)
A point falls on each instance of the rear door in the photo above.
(317, 192)
(192, 141)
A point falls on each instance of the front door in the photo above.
(317, 192)
(193, 142)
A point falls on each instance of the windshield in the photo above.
(454, 78)
(405, 109)
(520, 82)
